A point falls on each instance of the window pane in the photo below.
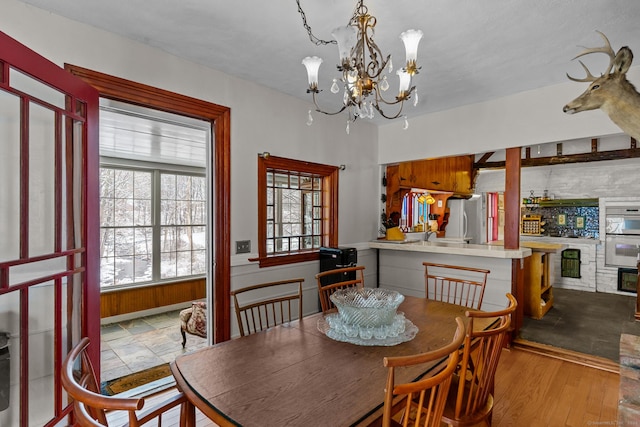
(124, 241)
(123, 212)
(142, 185)
(142, 212)
(168, 187)
(123, 184)
(198, 212)
(168, 212)
(183, 187)
(281, 180)
(168, 265)
(168, 239)
(199, 237)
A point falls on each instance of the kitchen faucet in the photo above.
(428, 234)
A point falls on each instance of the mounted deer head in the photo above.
(611, 92)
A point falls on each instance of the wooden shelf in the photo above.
(538, 284)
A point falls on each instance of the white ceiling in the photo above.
(472, 50)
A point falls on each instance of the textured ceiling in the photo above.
(472, 50)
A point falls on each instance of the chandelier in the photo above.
(364, 69)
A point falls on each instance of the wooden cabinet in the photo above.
(538, 285)
(449, 174)
(538, 278)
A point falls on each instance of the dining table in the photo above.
(296, 375)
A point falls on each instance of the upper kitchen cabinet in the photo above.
(450, 174)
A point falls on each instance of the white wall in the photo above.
(527, 118)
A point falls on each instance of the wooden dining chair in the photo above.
(455, 284)
(90, 408)
(266, 305)
(470, 400)
(421, 402)
(340, 278)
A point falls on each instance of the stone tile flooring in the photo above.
(138, 344)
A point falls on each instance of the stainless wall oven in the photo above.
(622, 242)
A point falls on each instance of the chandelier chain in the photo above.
(315, 40)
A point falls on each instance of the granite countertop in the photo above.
(488, 251)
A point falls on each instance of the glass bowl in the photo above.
(367, 307)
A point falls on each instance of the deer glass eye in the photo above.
(594, 87)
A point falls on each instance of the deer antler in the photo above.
(604, 49)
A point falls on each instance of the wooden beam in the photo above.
(485, 157)
(571, 158)
(594, 145)
(559, 148)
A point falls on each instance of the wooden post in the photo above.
(637, 315)
(512, 231)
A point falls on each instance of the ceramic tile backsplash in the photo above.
(552, 226)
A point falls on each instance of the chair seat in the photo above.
(448, 416)
(193, 320)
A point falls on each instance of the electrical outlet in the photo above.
(243, 246)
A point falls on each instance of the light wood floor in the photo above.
(535, 390)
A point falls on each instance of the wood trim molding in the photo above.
(220, 117)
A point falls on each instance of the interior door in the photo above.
(49, 276)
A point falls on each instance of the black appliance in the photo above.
(332, 258)
(628, 279)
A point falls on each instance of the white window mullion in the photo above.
(157, 224)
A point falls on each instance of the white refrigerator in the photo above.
(465, 220)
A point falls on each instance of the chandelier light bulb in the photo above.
(309, 119)
(346, 39)
(390, 65)
(405, 125)
(415, 100)
(411, 38)
(312, 63)
(405, 82)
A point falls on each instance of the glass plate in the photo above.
(409, 333)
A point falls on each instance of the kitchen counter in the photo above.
(400, 265)
(448, 248)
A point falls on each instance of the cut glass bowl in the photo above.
(367, 307)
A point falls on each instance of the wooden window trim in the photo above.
(329, 208)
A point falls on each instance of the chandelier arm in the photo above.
(320, 110)
(407, 96)
(390, 117)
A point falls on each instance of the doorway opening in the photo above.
(153, 236)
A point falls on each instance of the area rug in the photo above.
(137, 379)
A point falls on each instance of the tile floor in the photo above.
(586, 322)
(142, 343)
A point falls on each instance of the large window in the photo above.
(128, 200)
(153, 206)
(297, 209)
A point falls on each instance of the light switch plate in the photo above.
(243, 246)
